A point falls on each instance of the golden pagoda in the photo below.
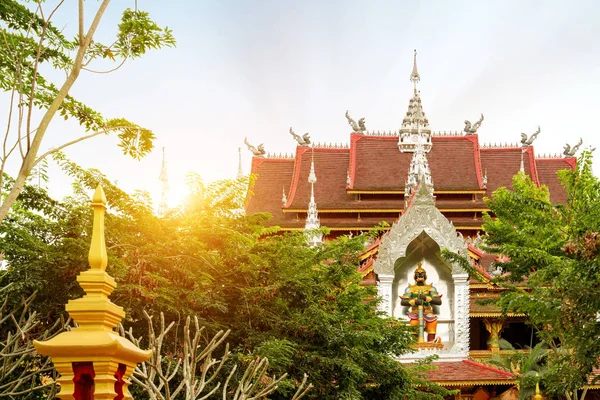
(93, 360)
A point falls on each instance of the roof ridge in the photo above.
(549, 156)
(285, 156)
(504, 145)
(331, 145)
(300, 150)
(478, 364)
(449, 133)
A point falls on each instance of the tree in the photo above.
(29, 43)
(553, 268)
(192, 373)
(23, 372)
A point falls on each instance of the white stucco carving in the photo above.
(384, 289)
(423, 217)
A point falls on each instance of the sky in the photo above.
(256, 68)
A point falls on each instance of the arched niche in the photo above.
(425, 250)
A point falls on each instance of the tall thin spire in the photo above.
(163, 206)
(415, 125)
(240, 173)
(522, 168)
(415, 77)
(314, 237)
(419, 174)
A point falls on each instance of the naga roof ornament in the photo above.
(356, 127)
(415, 125)
(570, 152)
(528, 141)
(258, 151)
(303, 140)
(472, 129)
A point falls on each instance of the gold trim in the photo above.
(375, 191)
(483, 285)
(402, 191)
(479, 383)
(369, 253)
(378, 210)
(494, 314)
(466, 228)
(351, 228)
(367, 228)
(349, 211)
(473, 255)
(463, 209)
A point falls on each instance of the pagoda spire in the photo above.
(414, 76)
(419, 174)
(240, 173)
(415, 125)
(314, 237)
(163, 206)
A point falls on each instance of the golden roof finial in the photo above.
(97, 256)
(538, 395)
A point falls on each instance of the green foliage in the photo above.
(553, 261)
(304, 308)
(31, 46)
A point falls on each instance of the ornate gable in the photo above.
(421, 216)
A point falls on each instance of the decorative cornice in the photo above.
(476, 383)
(494, 314)
(340, 228)
(338, 211)
(435, 192)
(378, 210)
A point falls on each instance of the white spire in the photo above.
(415, 125)
(418, 174)
(522, 168)
(240, 173)
(484, 179)
(163, 206)
(415, 77)
(312, 218)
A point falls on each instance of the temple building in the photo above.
(428, 187)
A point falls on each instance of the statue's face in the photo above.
(420, 276)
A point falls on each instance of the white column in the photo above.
(461, 314)
(384, 290)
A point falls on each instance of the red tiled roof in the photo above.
(501, 164)
(331, 169)
(467, 371)
(273, 175)
(377, 164)
(547, 169)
